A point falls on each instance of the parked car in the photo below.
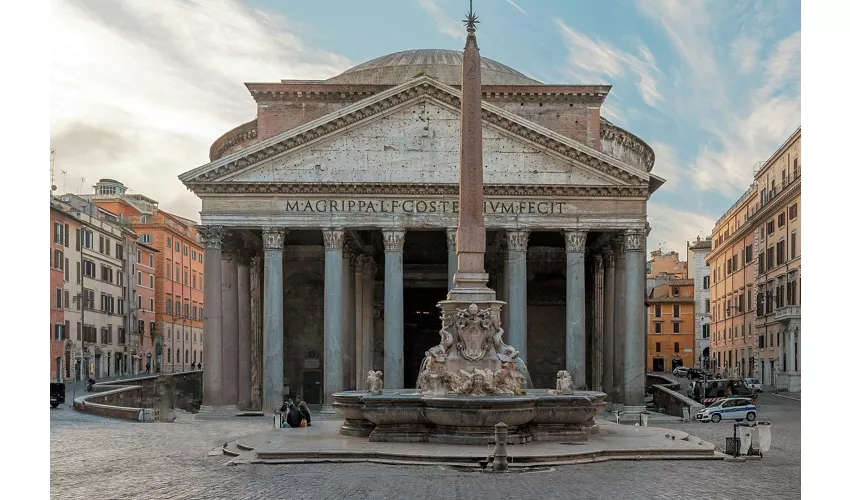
(57, 393)
(716, 389)
(695, 373)
(753, 383)
(680, 371)
(729, 409)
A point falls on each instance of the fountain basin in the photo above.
(397, 417)
(408, 416)
(348, 404)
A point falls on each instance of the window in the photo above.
(79, 331)
(168, 242)
(706, 330)
(185, 250)
(780, 252)
(177, 308)
(151, 304)
(201, 260)
(139, 278)
(120, 279)
(676, 310)
(58, 298)
(705, 283)
(194, 312)
(57, 233)
(741, 303)
(749, 329)
(749, 300)
(146, 239)
(748, 254)
(106, 274)
(120, 306)
(770, 258)
(780, 220)
(675, 327)
(760, 303)
(150, 276)
(177, 246)
(734, 263)
(675, 347)
(194, 280)
(761, 263)
(186, 310)
(150, 260)
(201, 312)
(675, 291)
(178, 354)
(169, 355)
(770, 227)
(58, 261)
(119, 251)
(792, 212)
(736, 331)
(168, 269)
(658, 347)
(58, 332)
(793, 245)
(67, 270)
(67, 299)
(657, 310)
(100, 244)
(771, 340)
(168, 306)
(108, 245)
(89, 269)
(792, 291)
(194, 255)
(707, 306)
(657, 327)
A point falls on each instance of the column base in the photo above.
(788, 381)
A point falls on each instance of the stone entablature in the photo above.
(625, 146)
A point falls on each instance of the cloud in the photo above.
(445, 24)
(667, 165)
(672, 227)
(515, 5)
(591, 59)
(139, 90)
(745, 50)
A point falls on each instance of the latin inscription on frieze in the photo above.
(419, 206)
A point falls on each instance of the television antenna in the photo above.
(52, 157)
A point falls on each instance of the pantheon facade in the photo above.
(329, 224)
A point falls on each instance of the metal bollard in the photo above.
(686, 414)
(500, 455)
(644, 419)
(618, 415)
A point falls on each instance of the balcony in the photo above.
(787, 314)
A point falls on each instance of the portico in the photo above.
(353, 217)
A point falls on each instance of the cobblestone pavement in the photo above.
(95, 457)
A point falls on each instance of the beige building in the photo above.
(754, 272)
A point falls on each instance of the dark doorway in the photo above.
(312, 388)
(421, 328)
(677, 362)
(658, 364)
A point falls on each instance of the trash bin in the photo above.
(764, 436)
(746, 432)
(686, 413)
(733, 446)
(644, 419)
(277, 420)
(618, 415)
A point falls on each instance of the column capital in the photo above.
(618, 247)
(451, 239)
(334, 238)
(211, 236)
(366, 265)
(393, 240)
(575, 240)
(517, 240)
(635, 240)
(273, 238)
(349, 249)
(608, 256)
(597, 260)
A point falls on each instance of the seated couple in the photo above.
(294, 416)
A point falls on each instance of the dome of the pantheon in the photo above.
(443, 65)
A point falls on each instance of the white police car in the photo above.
(729, 409)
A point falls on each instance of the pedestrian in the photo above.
(293, 416)
(91, 384)
(302, 406)
(193, 366)
(148, 368)
(199, 366)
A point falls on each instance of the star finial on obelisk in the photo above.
(471, 20)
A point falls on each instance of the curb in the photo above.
(786, 397)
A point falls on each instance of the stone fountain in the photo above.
(472, 380)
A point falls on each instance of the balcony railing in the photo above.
(787, 313)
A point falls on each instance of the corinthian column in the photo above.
(273, 318)
(598, 311)
(393, 309)
(634, 366)
(619, 317)
(333, 363)
(211, 236)
(608, 313)
(229, 322)
(243, 284)
(517, 293)
(347, 315)
(368, 316)
(576, 340)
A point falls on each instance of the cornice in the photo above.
(382, 102)
(758, 217)
(410, 189)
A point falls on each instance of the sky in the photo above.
(140, 89)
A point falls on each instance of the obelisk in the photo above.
(471, 234)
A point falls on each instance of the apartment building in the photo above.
(145, 277)
(699, 271)
(59, 274)
(670, 341)
(94, 291)
(178, 258)
(754, 269)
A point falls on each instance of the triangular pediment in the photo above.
(410, 134)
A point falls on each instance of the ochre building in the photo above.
(670, 342)
(342, 185)
(755, 275)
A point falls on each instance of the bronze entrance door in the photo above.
(312, 388)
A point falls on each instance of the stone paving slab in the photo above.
(323, 441)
